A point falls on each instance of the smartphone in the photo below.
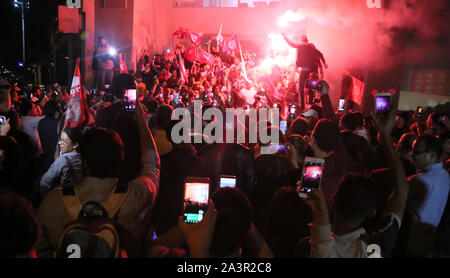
(106, 86)
(196, 194)
(382, 104)
(227, 181)
(283, 127)
(312, 175)
(312, 84)
(2, 120)
(292, 109)
(129, 99)
(341, 104)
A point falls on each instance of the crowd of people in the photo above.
(385, 182)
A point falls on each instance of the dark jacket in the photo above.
(48, 134)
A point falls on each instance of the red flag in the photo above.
(191, 54)
(181, 33)
(182, 70)
(123, 66)
(77, 112)
(205, 57)
(357, 91)
(196, 38)
(231, 44)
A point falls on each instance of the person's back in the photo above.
(114, 117)
(102, 156)
(48, 134)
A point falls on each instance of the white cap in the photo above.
(311, 113)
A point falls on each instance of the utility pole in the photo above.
(23, 4)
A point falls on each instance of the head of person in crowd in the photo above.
(324, 138)
(405, 145)
(52, 109)
(355, 202)
(27, 108)
(351, 121)
(5, 96)
(20, 230)
(359, 150)
(69, 140)
(299, 126)
(312, 115)
(163, 116)
(102, 153)
(435, 124)
(288, 220)
(426, 150)
(122, 82)
(234, 218)
(300, 143)
(402, 120)
(102, 42)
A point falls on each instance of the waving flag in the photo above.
(205, 57)
(219, 37)
(357, 91)
(191, 54)
(183, 73)
(181, 33)
(196, 38)
(231, 44)
(123, 66)
(77, 111)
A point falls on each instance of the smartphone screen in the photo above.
(130, 100)
(311, 84)
(196, 196)
(312, 175)
(227, 181)
(341, 104)
(382, 103)
(283, 127)
(2, 120)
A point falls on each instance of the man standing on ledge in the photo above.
(309, 59)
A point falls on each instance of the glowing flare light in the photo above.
(291, 16)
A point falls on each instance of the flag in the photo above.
(195, 38)
(123, 66)
(231, 44)
(182, 70)
(181, 33)
(205, 57)
(77, 111)
(219, 37)
(191, 54)
(356, 93)
(244, 72)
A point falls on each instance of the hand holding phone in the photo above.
(196, 194)
(199, 235)
(130, 100)
(382, 104)
(312, 175)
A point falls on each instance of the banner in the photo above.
(205, 57)
(181, 33)
(77, 111)
(219, 37)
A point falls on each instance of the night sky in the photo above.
(36, 32)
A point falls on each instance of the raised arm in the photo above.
(289, 42)
(397, 201)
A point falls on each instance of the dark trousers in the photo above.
(104, 77)
(304, 75)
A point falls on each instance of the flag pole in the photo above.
(242, 59)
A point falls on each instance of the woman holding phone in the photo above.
(66, 170)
